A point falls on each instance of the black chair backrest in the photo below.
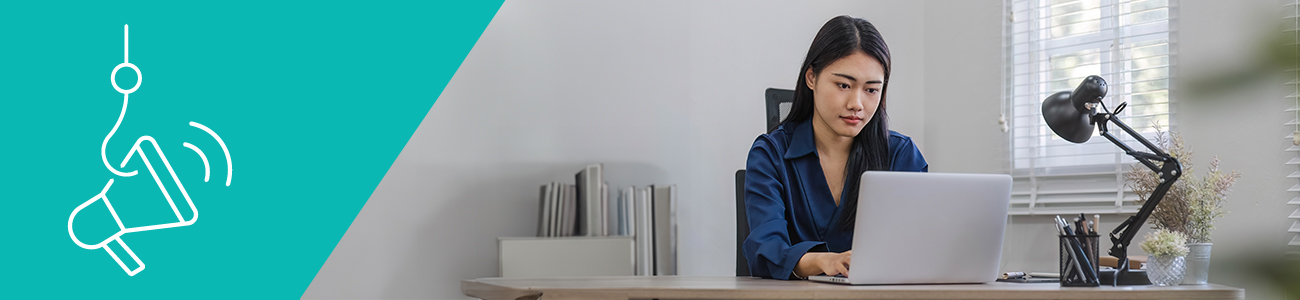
(742, 225)
(776, 100)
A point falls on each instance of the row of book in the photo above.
(577, 209)
(648, 214)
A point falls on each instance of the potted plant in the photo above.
(1165, 263)
(1191, 206)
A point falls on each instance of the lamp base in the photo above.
(1132, 277)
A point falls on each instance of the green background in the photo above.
(314, 100)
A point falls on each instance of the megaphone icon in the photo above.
(107, 207)
(116, 237)
(102, 205)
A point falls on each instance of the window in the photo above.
(1050, 46)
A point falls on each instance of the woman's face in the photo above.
(846, 93)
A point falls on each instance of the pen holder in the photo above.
(1079, 260)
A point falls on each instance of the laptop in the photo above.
(927, 228)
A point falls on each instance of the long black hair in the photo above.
(840, 37)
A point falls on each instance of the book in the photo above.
(623, 212)
(543, 218)
(570, 211)
(629, 218)
(553, 227)
(604, 209)
(589, 184)
(644, 232)
(557, 212)
(546, 216)
(664, 210)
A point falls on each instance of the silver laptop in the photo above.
(927, 228)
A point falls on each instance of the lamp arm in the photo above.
(1169, 170)
(1143, 157)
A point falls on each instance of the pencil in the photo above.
(1096, 223)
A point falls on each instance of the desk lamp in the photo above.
(1071, 115)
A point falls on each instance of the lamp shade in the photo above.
(1069, 114)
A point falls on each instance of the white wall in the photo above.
(963, 84)
(671, 92)
(1243, 126)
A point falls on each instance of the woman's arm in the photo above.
(768, 247)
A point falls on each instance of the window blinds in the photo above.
(1291, 22)
(1050, 46)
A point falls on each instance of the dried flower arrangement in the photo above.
(1193, 203)
(1165, 243)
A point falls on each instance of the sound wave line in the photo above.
(206, 171)
(229, 168)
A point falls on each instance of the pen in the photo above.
(1096, 223)
(1080, 262)
(1082, 220)
(1081, 229)
(1012, 275)
(1085, 265)
(1043, 275)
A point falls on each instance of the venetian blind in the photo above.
(1291, 21)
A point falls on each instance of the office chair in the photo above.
(742, 225)
(779, 102)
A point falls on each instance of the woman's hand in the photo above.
(831, 264)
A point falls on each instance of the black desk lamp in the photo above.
(1071, 116)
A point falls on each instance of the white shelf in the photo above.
(536, 257)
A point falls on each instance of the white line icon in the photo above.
(137, 150)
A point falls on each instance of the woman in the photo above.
(836, 129)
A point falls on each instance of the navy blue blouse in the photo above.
(788, 203)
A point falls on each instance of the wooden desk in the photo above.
(688, 287)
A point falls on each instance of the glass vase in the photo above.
(1198, 264)
(1165, 270)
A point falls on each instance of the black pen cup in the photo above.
(1079, 260)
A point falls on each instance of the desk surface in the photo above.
(688, 287)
